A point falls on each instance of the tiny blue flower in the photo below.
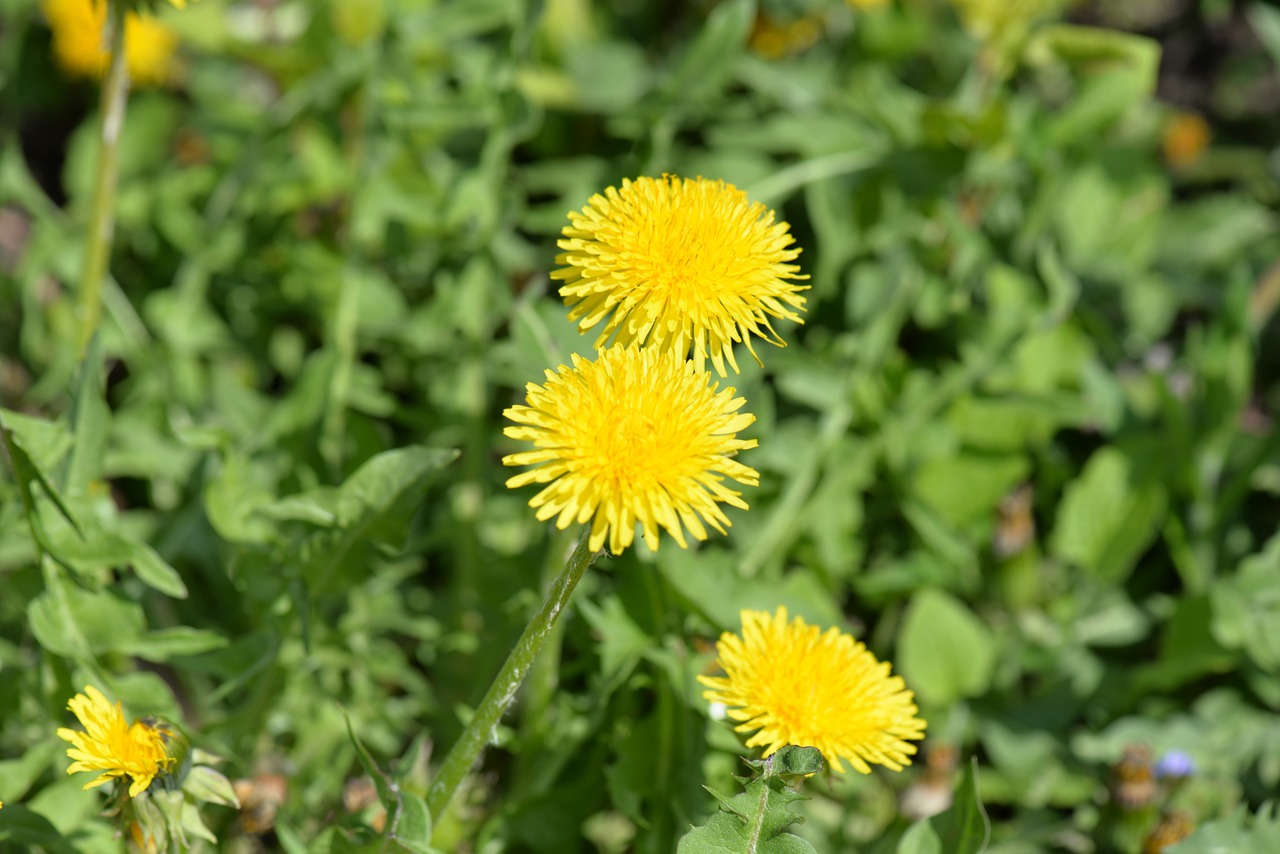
(1175, 763)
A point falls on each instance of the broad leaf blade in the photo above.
(965, 828)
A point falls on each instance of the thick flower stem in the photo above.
(480, 729)
(115, 93)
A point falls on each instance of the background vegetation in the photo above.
(1023, 445)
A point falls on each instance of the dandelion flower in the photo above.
(80, 47)
(675, 263)
(791, 683)
(109, 745)
(634, 436)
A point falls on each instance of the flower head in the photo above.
(634, 436)
(1175, 764)
(1184, 139)
(109, 745)
(80, 47)
(1174, 826)
(791, 683)
(675, 263)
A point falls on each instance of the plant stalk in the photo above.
(98, 238)
(484, 721)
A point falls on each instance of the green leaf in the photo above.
(208, 785)
(90, 420)
(79, 623)
(944, 652)
(1188, 649)
(26, 473)
(706, 66)
(622, 643)
(1109, 515)
(47, 442)
(1214, 231)
(232, 499)
(371, 506)
(164, 644)
(607, 76)
(18, 774)
(796, 761)
(1246, 608)
(965, 488)
(98, 546)
(1265, 21)
(409, 827)
(1239, 833)
(21, 827)
(965, 828)
(755, 820)
(920, 838)
(710, 582)
(1121, 73)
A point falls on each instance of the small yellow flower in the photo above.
(108, 744)
(1184, 139)
(79, 44)
(775, 39)
(634, 436)
(794, 684)
(678, 263)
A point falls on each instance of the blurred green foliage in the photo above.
(1023, 444)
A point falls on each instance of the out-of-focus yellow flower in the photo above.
(108, 744)
(773, 39)
(79, 44)
(636, 436)
(1185, 138)
(679, 264)
(867, 4)
(792, 683)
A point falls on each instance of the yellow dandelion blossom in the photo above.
(109, 745)
(678, 263)
(1184, 138)
(791, 683)
(634, 436)
(79, 44)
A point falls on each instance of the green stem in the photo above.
(115, 93)
(544, 677)
(480, 729)
(659, 836)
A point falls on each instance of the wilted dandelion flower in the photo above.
(633, 436)
(109, 745)
(1174, 826)
(679, 263)
(79, 43)
(791, 683)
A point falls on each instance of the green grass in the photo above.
(1022, 446)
